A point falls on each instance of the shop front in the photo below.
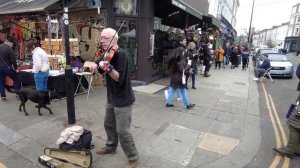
(144, 43)
(292, 44)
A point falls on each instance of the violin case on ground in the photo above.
(59, 158)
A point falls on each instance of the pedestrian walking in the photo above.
(177, 68)
(191, 58)
(120, 98)
(219, 57)
(245, 57)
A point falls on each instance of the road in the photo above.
(275, 99)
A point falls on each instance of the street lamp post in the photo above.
(249, 35)
(68, 70)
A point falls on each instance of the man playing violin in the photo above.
(120, 97)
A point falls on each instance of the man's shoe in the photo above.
(255, 79)
(169, 105)
(193, 87)
(190, 106)
(132, 164)
(284, 152)
(104, 151)
(3, 99)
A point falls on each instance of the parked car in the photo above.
(259, 52)
(281, 65)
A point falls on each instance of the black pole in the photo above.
(68, 70)
(249, 35)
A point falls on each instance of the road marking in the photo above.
(275, 128)
(278, 122)
(283, 135)
(2, 166)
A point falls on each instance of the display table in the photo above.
(56, 81)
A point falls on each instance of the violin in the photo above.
(107, 57)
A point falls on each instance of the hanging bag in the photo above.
(183, 78)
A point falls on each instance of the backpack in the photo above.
(84, 142)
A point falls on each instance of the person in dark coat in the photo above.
(177, 67)
(8, 67)
(293, 146)
(192, 58)
(234, 57)
(205, 56)
(245, 57)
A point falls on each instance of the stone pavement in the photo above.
(222, 131)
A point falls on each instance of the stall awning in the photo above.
(176, 13)
(24, 6)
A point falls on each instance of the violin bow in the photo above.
(105, 53)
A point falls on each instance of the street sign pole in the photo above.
(249, 35)
(68, 70)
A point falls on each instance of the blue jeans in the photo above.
(193, 78)
(41, 81)
(182, 91)
(5, 71)
(225, 62)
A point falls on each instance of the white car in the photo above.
(280, 64)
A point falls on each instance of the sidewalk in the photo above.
(222, 131)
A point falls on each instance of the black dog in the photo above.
(42, 98)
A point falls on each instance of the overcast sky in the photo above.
(267, 13)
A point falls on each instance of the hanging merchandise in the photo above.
(48, 19)
(32, 27)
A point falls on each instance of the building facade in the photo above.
(225, 11)
(292, 40)
(273, 37)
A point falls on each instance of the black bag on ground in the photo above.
(84, 142)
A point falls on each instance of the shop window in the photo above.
(128, 42)
(296, 31)
(125, 7)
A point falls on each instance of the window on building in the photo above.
(298, 19)
(292, 21)
(294, 9)
(290, 32)
(125, 7)
(296, 31)
(298, 8)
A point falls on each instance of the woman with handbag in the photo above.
(177, 68)
(41, 66)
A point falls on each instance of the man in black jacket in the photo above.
(8, 66)
(204, 53)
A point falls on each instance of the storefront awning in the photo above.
(212, 22)
(176, 13)
(216, 22)
(182, 5)
(24, 6)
